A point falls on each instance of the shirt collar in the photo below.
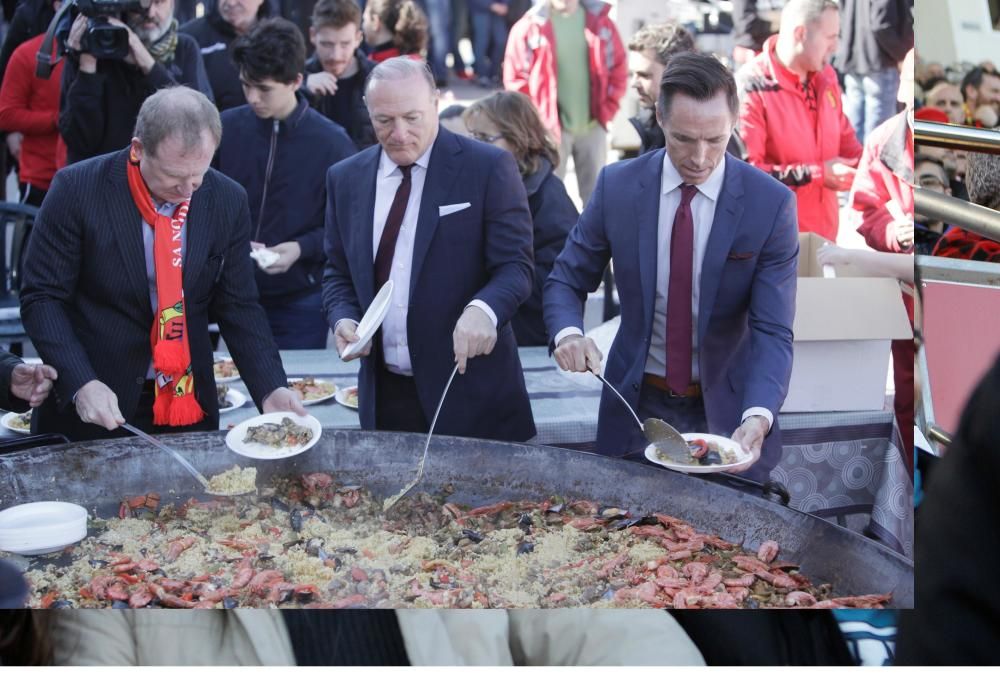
(386, 166)
(710, 188)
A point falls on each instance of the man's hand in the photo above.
(838, 174)
(474, 334)
(986, 115)
(138, 54)
(904, 233)
(345, 334)
(321, 84)
(751, 436)
(88, 63)
(97, 404)
(288, 253)
(14, 144)
(578, 354)
(284, 399)
(32, 383)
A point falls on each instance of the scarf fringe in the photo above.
(184, 411)
(169, 358)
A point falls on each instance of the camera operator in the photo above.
(101, 97)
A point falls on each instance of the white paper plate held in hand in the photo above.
(726, 448)
(274, 438)
(372, 320)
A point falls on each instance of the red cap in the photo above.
(929, 114)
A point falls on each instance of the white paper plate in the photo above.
(743, 457)
(223, 380)
(236, 398)
(41, 527)
(234, 439)
(318, 380)
(8, 423)
(342, 395)
(372, 319)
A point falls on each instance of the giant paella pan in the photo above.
(492, 525)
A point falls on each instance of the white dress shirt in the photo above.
(703, 214)
(394, 343)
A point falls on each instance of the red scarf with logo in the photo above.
(175, 404)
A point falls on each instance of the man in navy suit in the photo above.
(704, 250)
(446, 219)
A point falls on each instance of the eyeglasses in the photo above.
(479, 136)
(931, 182)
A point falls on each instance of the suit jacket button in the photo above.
(635, 385)
(140, 380)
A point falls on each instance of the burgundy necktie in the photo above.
(387, 244)
(679, 294)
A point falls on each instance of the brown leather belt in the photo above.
(660, 383)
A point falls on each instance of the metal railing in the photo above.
(978, 219)
(956, 137)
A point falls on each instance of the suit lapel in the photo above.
(123, 216)
(442, 170)
(647, 204)
(198, 233)
(728, 212)
(363, 215)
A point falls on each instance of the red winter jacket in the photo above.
(885, 174)
(789, 139)
(529, 64)
(30, 105)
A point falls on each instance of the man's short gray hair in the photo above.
(177, 110)
(400, 68)
(805, 12)
(982, 178)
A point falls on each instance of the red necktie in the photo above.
(387, 244)
(679, 294)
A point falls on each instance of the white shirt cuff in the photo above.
(486, 308)
(763, 412)
(566, 332)
(342, 321)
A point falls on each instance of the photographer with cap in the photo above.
(102, 94)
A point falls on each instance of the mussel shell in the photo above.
(525, 547)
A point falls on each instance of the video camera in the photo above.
(102, 39)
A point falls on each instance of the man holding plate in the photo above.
(148, 227)
(446, 220)
(705, 249)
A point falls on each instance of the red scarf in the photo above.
(175, 401)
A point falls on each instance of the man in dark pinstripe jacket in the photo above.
(90, 283)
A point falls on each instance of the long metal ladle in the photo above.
(183, 462)
(391, 501)
(666, 439)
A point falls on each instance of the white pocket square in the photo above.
(449, 209)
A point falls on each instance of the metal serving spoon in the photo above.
(183, 462)
(391, 501)
(668, 441)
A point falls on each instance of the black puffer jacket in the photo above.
(359, 126)
(215, 36)
(97, 111)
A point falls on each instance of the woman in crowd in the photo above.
(394, 28)
(510, 121)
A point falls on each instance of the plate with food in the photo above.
(312, 389)
(709, 454)
(225, 369)
(348, 397)
(274, 435)
(229, 399)
(18, 422)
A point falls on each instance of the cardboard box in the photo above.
(843, 332)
